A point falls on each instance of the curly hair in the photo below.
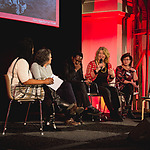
(42, 56)
(106, 53)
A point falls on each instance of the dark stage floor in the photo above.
(106, 135)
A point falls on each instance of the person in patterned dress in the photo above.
(100, 72)
(126, 81)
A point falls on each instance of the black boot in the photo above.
(130, 114)
(63, 106)
(61, 103)
(114, 115)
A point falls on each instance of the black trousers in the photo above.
(110, 95)
(128, 93)
(80, 92)
(52, 96)
(47, 103)
(66, 93)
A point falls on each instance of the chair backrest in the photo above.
(8, 87)
(93, 89)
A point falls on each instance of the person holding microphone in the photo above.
(100, 71)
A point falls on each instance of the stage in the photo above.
(92, 135)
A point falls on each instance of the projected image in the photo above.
(37, 9)
(13, 6)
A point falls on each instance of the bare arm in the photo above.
(34, 81)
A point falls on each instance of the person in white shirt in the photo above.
(19, 74)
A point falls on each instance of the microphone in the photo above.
(101, 60)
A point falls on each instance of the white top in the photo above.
(21, 71)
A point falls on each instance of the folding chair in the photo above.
(145, 99)
(8, 90)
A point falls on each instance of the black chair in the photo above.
(93, 92)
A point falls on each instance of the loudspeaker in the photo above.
(141, 132)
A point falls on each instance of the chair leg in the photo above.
(52, 117)
(92, 119)
(27, 114)
(5, 125)
(102, 115)
(143, 102)
(41, 118)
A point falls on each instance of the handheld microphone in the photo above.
(101, 60)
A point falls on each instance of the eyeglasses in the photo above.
(78, 60)
(126, 59)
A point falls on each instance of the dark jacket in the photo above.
(69, 73)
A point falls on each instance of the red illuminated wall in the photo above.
(102, 27)
(106, 5)
(105, 24)
(98, 103)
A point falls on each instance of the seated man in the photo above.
(72, 72)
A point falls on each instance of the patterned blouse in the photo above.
(90, 72)
(122, 75)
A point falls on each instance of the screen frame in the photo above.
(32, 19)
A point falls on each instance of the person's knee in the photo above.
(114, 90)
(104, 92)
(129, 87)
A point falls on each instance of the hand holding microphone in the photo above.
(99, 66)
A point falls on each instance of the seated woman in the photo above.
(127, 79)
(19, 74)
(100, 72)
(41, 69)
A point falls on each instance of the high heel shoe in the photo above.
(114, 115)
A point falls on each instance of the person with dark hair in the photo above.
(126, 80)
(25, 49)
(19, 74)
(19, 68)
(41, 69)
(19, 71)
(72, 72)
(100, 71)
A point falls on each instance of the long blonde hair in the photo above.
(106, 53)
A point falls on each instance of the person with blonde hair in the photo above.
(100, 71)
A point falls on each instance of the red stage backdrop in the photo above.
(102, 26)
